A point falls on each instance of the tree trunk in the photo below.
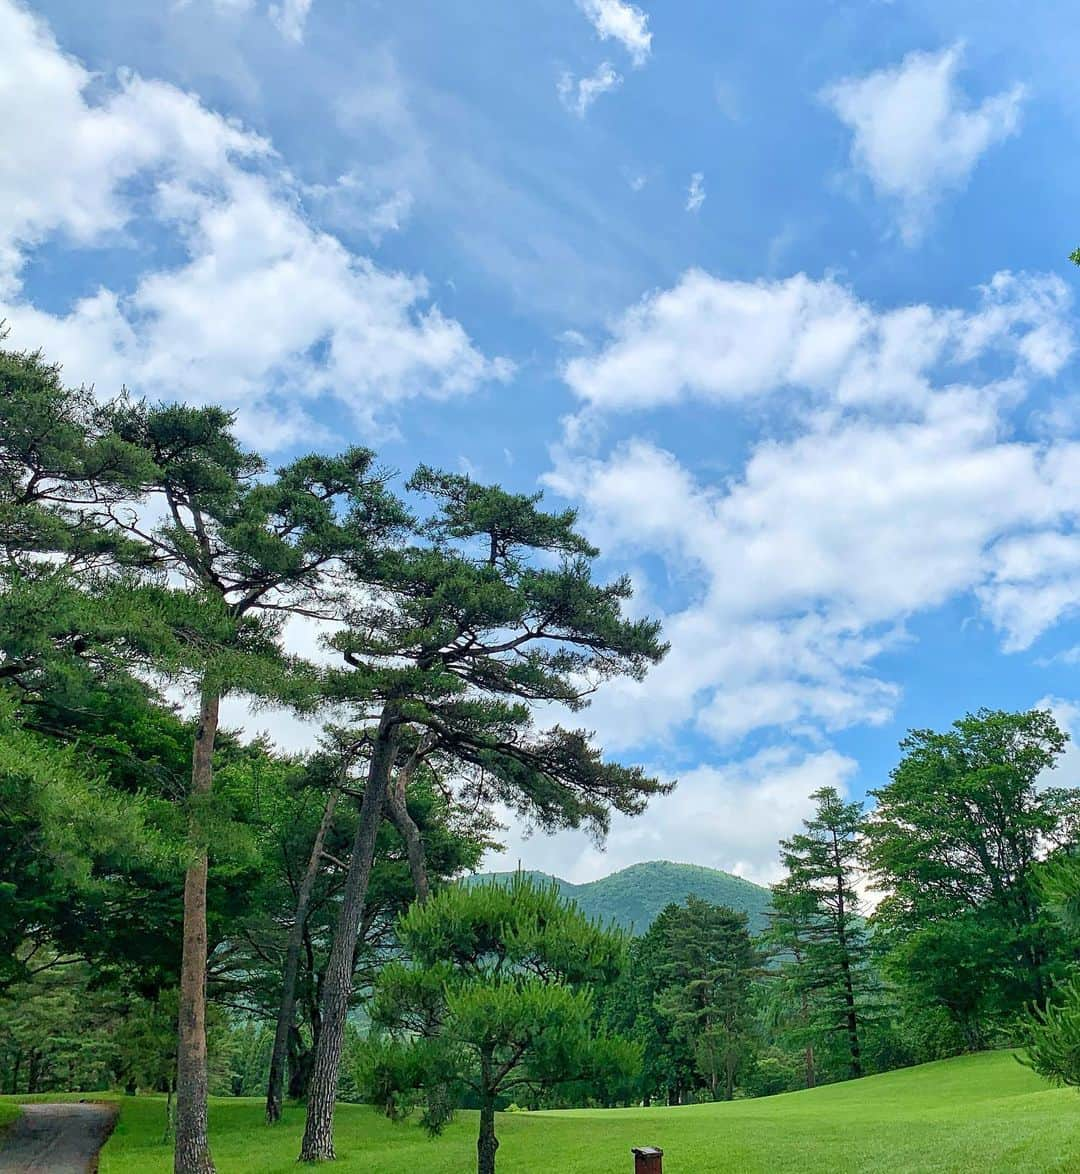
(292, 966)
(851, 1015)
(318, 1143)
(299, 1065)
(398, 812)
(486, 1143)
(192, 1151)
(810, 1075)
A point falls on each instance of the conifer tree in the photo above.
(834, 975)
(234, 552)
(791, 917)
(496, 997)
(705, 975)
(491, 612)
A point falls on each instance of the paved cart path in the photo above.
(56, 1139)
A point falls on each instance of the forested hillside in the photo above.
(632, 897)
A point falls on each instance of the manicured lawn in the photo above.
(974, 1114)
(8, 1112)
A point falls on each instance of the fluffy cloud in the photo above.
(1034, 579)
(729, 341)
(577, 95)
(914, 134)
(265, 312)
(616, 20)
(728, 817)
(891, 487)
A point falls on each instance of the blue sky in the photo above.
(775, 294)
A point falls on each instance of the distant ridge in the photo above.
(632, 897)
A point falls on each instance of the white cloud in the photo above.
(578, 95)
(730, 817)
(265, 312)
(914, 134)
(1035, 578)
(290, 16)
(727, 341)
(619, 21)
(884, 486)
(695, 194)
(1067, 715)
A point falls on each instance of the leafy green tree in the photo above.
(60, 828)
(953, 845)
(705, 975)
(496, 997)
(305, 865)
(56, 1032)
(834, 976)
(492, 610)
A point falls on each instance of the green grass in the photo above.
(979, 1114)
(8, 1113)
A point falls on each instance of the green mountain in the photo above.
(635, 895)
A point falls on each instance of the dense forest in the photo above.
(186, 910)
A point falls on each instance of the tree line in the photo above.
(943, 920)
(187, 910)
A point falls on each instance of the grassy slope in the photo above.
(978, 1113)
(634, 896)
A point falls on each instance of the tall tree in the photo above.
(705, 974)
(308, 861)
(632, 1008)
(294, 945)
(953, 845)
(496, 996)
(236, 551)
(791, 918)
(822, 864)
(494, 610)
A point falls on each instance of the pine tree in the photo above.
(496, 996)
(791, 916)
(834, 976)
(234, 552)
(492, 611)
(705, 974)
